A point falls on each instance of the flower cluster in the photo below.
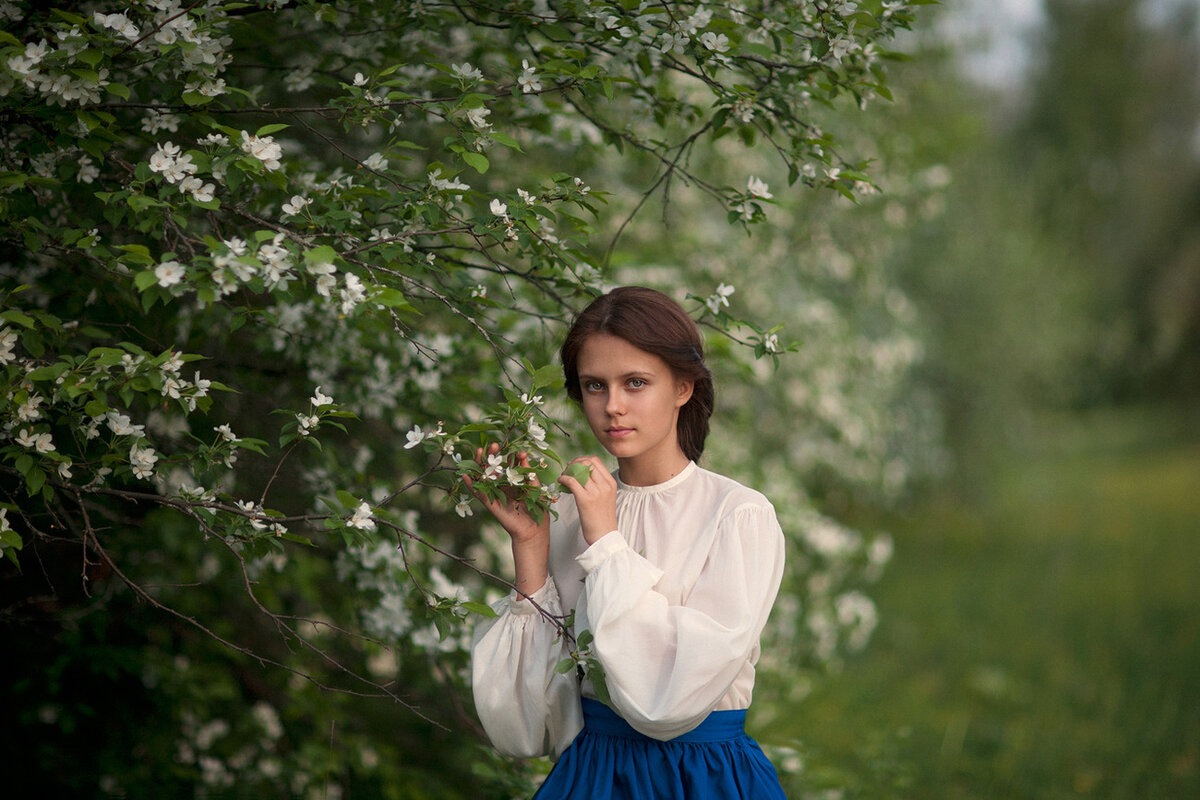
(176, 167)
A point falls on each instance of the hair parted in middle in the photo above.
(653, 322)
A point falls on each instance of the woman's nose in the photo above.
(616, 403)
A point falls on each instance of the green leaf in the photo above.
(393, 298)
(478, 161)
(482, 609)
(47, 373)
(579, 471)
(564, 666)
(267, 130)
(118, 89)
(12, 315)
(144, 280)
(506, 140)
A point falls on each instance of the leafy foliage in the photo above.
(274, 271)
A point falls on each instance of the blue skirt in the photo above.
(609, 760)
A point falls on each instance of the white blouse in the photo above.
(675, 599)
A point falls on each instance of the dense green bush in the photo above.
(271, 272)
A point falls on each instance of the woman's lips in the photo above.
(618, 433)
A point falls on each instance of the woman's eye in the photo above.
(636, 383)
(593, 386)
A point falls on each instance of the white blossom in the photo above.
(353, 294)
(28, 411)
(719, 298)
(758, 188)
(361, 518)
(41, 442)
(8, 340)
(296, 205)
(307, 423)
(319, 399)
(537, 433)
(142, 460)
(466, 72)
(169, 273)
(527, 79)
(263, 148)
(121, 426)
(415, 437)
(499, 208)
(716, 42)
(478, 117)
(226, 433)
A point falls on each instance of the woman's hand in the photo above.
(596, 499)
(530, 539)
(511, 511)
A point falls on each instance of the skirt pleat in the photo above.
(609, 760)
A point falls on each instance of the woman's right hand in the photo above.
(511, 511)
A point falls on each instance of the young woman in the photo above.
(672, 568)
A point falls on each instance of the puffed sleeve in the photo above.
(666, 665)
(526, 707)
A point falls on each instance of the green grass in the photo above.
(1041, 643)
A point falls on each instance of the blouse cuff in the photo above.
(546, 597)
(603, 549)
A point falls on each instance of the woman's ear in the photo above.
(683, 392)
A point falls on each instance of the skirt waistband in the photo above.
(718, 726)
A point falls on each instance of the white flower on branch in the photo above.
(758, 188)
(121, 426)
(478, 117)
(415, 437)
(295, 205)
(263, 148)
(361, 518)
(172, 365)
(307, 423)
(28, 411)
(172, 386)
(463, 507)
(537, 433)
(118, 23)
(353, 294)
(142, 460)
(8, 340)
(495, 467)
(444, 184)
(319, 399)
(771, 343)
(376, 161)
(226, 433)
(527, 80)
(41, 442)
(716, 42)
(466, 72)
(499, 208)
(719, 298)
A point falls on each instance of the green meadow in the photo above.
(1039, 634)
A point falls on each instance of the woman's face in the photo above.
(631, 399)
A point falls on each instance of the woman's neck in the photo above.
(648, 471)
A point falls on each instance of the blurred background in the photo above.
(1039, 634)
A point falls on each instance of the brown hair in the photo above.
(650, 321)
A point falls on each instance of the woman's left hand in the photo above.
(596, 499)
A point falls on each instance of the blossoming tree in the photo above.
(271, 273)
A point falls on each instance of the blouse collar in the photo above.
(655, 488)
